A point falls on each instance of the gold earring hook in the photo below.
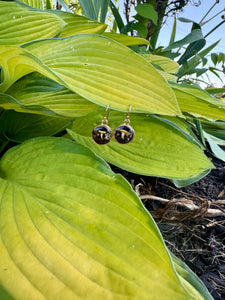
(127, 120)
(129, 109)
(105, 119)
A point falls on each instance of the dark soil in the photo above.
(195, 236)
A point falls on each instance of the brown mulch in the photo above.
(191, 220)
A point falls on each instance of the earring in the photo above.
(124, 133)
(102, 134)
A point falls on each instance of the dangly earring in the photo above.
(124, 133)
(102, 134)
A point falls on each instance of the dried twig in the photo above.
(194, 210)
(210, 212)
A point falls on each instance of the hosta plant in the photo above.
(70, 228)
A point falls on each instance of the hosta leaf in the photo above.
(4, 294)
(34, 3)
(187, 181)
(7, 102)
(216, 150)
(186, 273)
(75, 230)
(18, 127)
(168, 76)
(105, 72)
(76, 24)
(158, 148)
(217, 140)
(35, 89)
(126, 39)
(167, 64)
(216, 129)
(17, 62)
(199, 103)
(20, 23)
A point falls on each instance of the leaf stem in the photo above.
(209, 11)
(211, 18)
(211, 31)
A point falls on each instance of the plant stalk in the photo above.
(211, 31)
(209, 11)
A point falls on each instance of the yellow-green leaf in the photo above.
(34, 3)
(21, 23)
(72, 229)
(199, 103)
(7, 102)
(76, 24)
(17, 62)
(106, 72)
(167, 64)
(35, 89)
(126, 39)
(159, 148)
(168, 76)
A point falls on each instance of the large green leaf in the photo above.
(165, 63)
(17, 62)
(168, 76)
(97, 68)
(158, 148)
(186, 181)
(186, 273)
(126, 39)
(72, 229)
(76, 24)
(18, 127)
(20, 23)
(105, 72)
(35, 89)
(7, 102)
(34, 3)
(197, 102)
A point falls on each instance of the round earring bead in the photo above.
(102, 134)
(124, 134)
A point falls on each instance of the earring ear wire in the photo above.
(124, 133)
(105, 119)
(102, 134)
(127, 120)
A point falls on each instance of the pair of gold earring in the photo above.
(123, 134)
